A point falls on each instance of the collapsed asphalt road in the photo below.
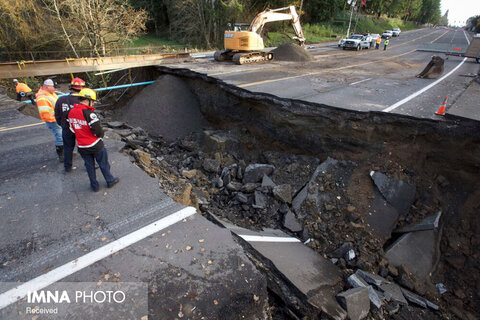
(405, 185)
(263, 163)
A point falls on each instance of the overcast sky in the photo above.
(460, 10)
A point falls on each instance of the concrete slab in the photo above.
(415, 250)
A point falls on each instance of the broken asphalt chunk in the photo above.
(325, 302)
(260, 200)
(412, 297)
(342, 251)
(255, 172)
(291, 223)
(398, 193)
(395, 292)
(416, 251)
(211, 165)
(356, 281)
(418, 300)
(374, 297)
(429, 223)
(115, 124)
(283, 193)
(356, 302)
(371, 278)
(267, 182)
(382, 217)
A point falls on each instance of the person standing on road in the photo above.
(23, 91)
(377, 43)
(62, 108)
(46, 99)
(385, 44)
(89, 133)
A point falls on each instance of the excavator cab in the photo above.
(240, 27)
(245, 45)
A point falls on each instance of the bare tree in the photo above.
(99, 25)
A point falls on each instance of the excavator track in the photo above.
(252, 57)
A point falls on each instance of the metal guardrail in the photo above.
(48, 67)
(11, 56)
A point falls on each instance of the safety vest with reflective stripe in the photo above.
(22, 87)
(46, 105)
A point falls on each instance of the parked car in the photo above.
(341, 43)
(396, 32)
(387, 34)
(357, 42)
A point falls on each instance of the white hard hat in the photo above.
(15, 80)
(48, 82)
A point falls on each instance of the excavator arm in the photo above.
(247, 46)
(270, 15)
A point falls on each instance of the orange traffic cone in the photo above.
(441, 110)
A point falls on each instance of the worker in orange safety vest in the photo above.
(377, 43)
(46, 99)
(23, 91)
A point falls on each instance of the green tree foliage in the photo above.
(316, 11)
(430, 12)
(473, 24)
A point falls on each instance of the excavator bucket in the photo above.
(433, 69)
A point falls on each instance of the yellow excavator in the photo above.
(245, 45)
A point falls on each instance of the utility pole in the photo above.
(352, 6)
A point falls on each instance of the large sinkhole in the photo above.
(390, 194)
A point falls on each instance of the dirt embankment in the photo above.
(295, 138)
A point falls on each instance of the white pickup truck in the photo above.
(358, 42)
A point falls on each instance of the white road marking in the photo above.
(268, 239)
(19, 292)
(360, 81)
(465, 34)
(410, 97)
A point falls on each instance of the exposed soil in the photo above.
(295, 138)
(291, 52)
(167, 108)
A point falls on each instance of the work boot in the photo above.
(60, 153)
(114, 182)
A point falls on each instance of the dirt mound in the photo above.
(167, 107)
(291, 52)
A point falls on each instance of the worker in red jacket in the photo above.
(89, 133)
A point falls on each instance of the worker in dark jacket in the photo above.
(89, 133)
(62, 107)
